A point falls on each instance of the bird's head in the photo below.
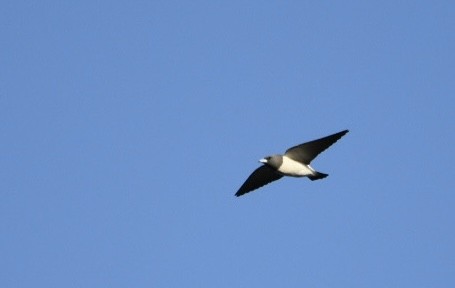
(272, 161)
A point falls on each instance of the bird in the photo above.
(295, 162)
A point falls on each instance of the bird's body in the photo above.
(295, 163)
(294, 168)
(287, 166)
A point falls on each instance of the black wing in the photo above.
(306, 152)
(260, 177)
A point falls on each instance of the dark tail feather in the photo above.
(317, 176)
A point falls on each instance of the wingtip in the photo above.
(238, 194)
(342, 133)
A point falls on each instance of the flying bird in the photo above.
(295, 163)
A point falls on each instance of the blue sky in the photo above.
(127, 127)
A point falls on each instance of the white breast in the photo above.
(293, 168)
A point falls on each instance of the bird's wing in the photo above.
(306, 152)
(260, 177)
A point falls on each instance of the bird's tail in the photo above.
(317, 176)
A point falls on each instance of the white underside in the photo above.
(293, 168)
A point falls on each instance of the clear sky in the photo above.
(127, 126)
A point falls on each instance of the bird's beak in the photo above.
(263, 160)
